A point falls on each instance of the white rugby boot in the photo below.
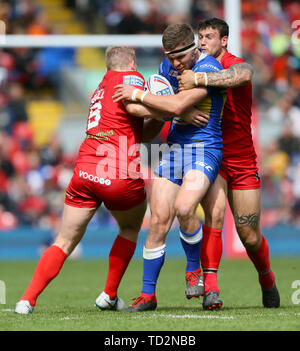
(103, 302)
(23, 307)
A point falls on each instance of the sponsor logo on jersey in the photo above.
(207, 65)
(101, 135)
(133, 80)
(94, 178)
(173, 73)
(204, 165)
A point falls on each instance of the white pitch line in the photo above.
(175, 316)
(69, 318)
(194, 316)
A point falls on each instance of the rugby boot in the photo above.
(142, 303)
(271, 297)
(194, 284)
(212, 301)
(24, 307)
(103, 302)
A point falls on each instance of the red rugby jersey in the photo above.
(236, 121)
(111, 131)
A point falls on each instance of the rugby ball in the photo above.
(159, 85)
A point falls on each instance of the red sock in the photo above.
(119, 258)
(211, 253)
(261, 261)
(48, 267)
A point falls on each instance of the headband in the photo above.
(186, 48)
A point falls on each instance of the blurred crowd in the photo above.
(271, 43)
(33, 178)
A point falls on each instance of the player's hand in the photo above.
(186, 80)
(196, 118)
(124, 92)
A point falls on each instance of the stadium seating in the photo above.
(44, 118)
(65, 21)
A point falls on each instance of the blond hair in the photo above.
(119, 57)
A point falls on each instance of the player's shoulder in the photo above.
(125, 77)
(165, 64)
(229, 59)
(213, 61)
(166, 69)
(207, 63)
(133, 78)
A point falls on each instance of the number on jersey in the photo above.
(95, 110)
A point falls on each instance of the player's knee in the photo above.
(65, 244)
(183, 211)
(129, 232)
(214, 217)
(130, 228)
(133, 227)
(250, 237)
(159, 221)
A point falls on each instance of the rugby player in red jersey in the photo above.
(107, 171)
(238, 179)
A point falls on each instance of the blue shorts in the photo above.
(179, 159)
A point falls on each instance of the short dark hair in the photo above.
(177, 34)
(215, 23)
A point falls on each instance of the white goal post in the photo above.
(90, 40)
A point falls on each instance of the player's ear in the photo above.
(224, 41)
(133, 66)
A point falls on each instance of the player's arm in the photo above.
(152, 127)
(139, 110)
(236, 75)
(172, 104)
(192, 115)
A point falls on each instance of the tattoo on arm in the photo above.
(232, 77)
(250, 220)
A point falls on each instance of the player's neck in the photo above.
(197, 56)
(219, 58)
(126, 70)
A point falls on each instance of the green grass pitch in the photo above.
(67, 304)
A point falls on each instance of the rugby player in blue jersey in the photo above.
(187, 169)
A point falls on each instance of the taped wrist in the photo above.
(138, 95)
(201, 79)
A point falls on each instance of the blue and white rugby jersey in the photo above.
(183, 133)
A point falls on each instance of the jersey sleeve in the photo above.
(230, 60)
(233, 60)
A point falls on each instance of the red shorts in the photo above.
(89, 190)
(240, 173)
